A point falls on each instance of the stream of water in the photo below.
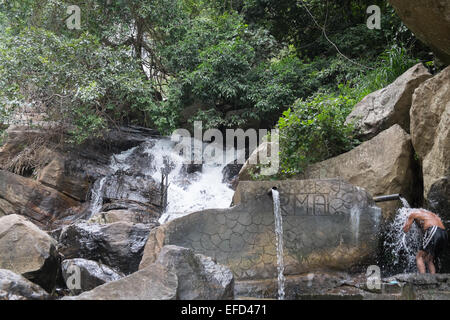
(279, 239)
(403, 246)
(187, 191)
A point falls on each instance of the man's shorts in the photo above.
(434, 241)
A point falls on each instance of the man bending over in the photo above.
(434, 239)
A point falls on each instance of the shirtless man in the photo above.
(434, 239)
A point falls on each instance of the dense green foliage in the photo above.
(315, 130)
(167, 63)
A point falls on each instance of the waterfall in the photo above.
(97, 197)
(403, 246)
(279, 240)
(191, 192)
(188, 191)
(117, 163)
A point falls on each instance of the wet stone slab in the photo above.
(328, 224)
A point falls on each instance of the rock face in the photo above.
(16, 287)
(383, 165)
(439, 197)
(430, 22)
(430, 132)
(66, 173)
(55, 176)
(383, 108)
(26, 250)
(118, 245)
(328, 224)
(259, 156)
(199, 278)
(91, 274)
(126, 216)
(152, 283)
(45, 206)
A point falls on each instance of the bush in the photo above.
(313, 131)
(79, 83)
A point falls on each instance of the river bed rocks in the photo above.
(91, 274)
(126, 216)
(152, 283)
(16, 287)
(199, 277)
(28, 251)
(178, 273)
(51, 183)
(118, 245)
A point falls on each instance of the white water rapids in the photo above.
(187, 192)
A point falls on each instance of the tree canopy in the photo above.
(167, 63)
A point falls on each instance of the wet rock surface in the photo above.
(65, 173)
(118, 245)
(91, 274)
(199, 277)
(152, 283)
(317, 221)
(439, 197)
(345, 286)
(16, 287)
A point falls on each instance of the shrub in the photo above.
(313, 131)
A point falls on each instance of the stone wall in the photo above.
(328, 224)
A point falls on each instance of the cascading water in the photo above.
(97, 196)
(196, 191)
(402, 246)
(187, 191)
(279, 239)
(117, 163)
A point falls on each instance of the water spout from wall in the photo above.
(279, 239)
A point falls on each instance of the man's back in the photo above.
(427, 219)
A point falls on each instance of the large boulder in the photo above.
(264, 152)
(16, 287)
(152, 283)
(382, 109)
(430, 133)
(27, 250)
(328, 224)
(56, 176)
(429, 21)
(383, 165)
(45, 206)
(199, 277)
(118, 245)
(82, 275)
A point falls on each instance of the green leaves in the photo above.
(313, 131)
(80, 82)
